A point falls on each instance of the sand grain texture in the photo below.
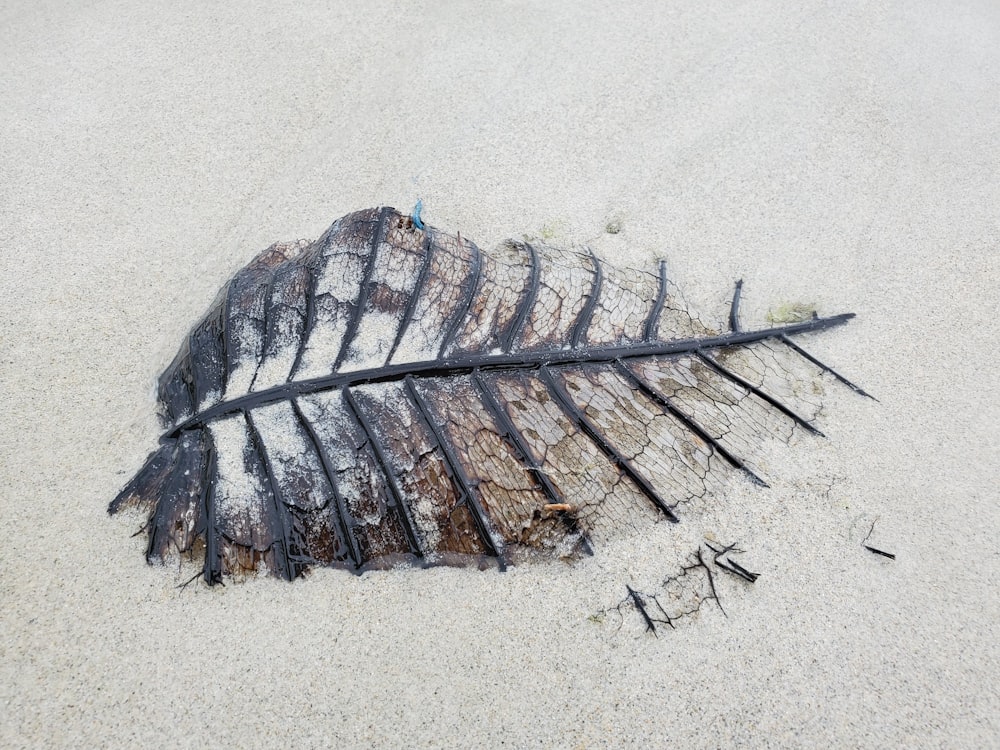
(844, 157)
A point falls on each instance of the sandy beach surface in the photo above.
(845, 156)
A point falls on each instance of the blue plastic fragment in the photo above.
(416, 214)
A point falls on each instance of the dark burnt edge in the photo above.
(178, 371)
(582, 322)
(400, 508)
(286, 568)
(187, 379)
(734, 307)
(411, 303)
(227, 311)
(151, 525)
(193, 456)
(522, 452)
(194, 351)
(345, 522)
(670, 408)
(641, 606)
(464, 365)
(471, 288)
(583, 423)
(456, 472)
(758, 392)
(226, 334)
(661, 297)
(224, 338)
(826, 368)
(526, 303)
(363, 289)
(153, 465)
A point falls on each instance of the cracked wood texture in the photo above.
(392, 394)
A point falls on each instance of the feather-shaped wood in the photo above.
(392, 393)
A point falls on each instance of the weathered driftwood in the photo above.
(392, 393)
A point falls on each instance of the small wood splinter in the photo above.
(876, 550)
(890, 555)
(641, 606)
(558, 508)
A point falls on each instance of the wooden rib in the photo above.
(397, 494)
(227, 333)
(526, 304)
(826, 368)
(266, 338)
(310, 323)
(285, 567)
(470, 294)
(582, 422)
(763, 395)
(457, 474)
(359, 309)
(661, 298)
(344, 520)
(411, 303)
(515, 440)
(669, 407)
(584, 318)
(734, 325)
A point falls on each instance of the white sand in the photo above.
(844, 154)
